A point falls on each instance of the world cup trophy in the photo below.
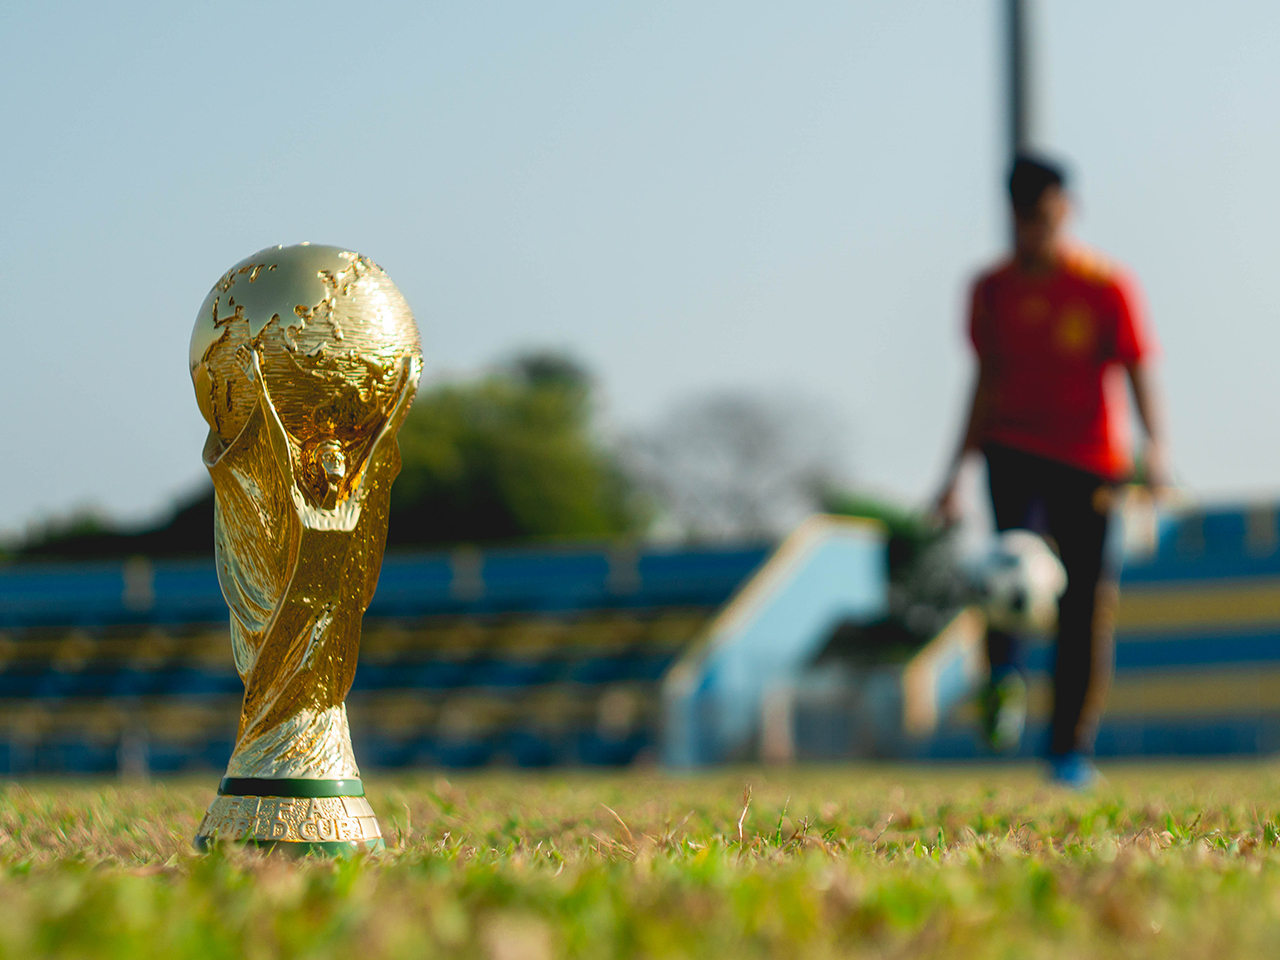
(305, 360)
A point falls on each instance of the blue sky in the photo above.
(688, 196)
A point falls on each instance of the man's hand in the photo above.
(946, 508)
(1147, 396)
(1157, 472)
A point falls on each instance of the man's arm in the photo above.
(945, 507)
(1150, 403)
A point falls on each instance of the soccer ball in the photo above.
(1019, 581)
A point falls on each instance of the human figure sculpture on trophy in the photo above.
(305, 360)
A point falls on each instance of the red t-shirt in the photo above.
(1054, 346)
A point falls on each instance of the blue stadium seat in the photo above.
(215, 753)
(599, 751)
(533, 748)
(409, 585)
(21, 681)
(183, 681)
(463, 754)
(76, 756)
(494, 672)
(694, 577)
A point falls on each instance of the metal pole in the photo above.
(1019, 102)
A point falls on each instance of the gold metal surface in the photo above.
(305, 360)
(289, 820)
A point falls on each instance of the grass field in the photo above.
(1163, 861)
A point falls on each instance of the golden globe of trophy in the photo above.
(305, 360)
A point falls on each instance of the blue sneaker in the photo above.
(1074, 771)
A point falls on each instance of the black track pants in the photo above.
(1071, 506)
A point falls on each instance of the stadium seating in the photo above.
(532, 657)
(537, 657)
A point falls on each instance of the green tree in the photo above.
(509, 457)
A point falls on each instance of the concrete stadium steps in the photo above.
(718, 696)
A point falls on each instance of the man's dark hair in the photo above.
(1030, 177)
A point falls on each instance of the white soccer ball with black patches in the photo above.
(1020, 581)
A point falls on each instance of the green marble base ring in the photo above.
(298, 850)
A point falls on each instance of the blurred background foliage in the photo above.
(911, 533)
(518, 455)
(511, 456)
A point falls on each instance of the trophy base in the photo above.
(295, 817)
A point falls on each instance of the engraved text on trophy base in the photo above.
(318, 820)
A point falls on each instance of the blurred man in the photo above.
(1056, 329)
